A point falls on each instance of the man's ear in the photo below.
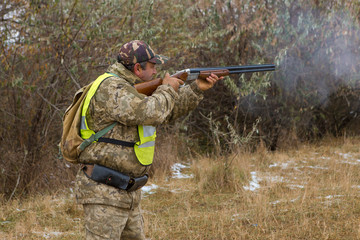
(137, 69)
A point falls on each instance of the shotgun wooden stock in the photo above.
(149, 87)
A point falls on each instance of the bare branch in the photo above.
(70, 75)
(47, 101)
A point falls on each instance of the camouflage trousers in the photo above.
(109, 222)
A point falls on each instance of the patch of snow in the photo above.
(317, 167)
(280, 201)
(348, 162)
(178, 190)
(333, 196)
(176, 171)
(235, 217)
(149, 189)
(276, 179)
(282, 165)
(48, 235)
(21, 210)
(345, 155)
(275, 202)
(273, 165)
(254, 183)
(238, 216)
(294, 186)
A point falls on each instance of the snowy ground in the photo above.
(295, 173)
(292, 180)
(177, 173)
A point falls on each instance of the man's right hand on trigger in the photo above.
(172, 81)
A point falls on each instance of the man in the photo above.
(127, 149)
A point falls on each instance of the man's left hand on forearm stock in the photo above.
(208, 83)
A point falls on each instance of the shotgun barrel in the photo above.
(149, 87)
(195, 73)
(238, 69)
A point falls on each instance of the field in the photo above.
(309, 192)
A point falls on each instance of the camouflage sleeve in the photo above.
(125, 105)
(189, 98)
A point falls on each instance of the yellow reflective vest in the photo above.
(144, 148)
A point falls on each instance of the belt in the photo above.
(113, 178)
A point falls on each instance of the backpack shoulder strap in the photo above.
(96, 136)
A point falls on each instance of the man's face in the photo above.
(148, 73)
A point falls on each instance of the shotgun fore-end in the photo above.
(220, 73)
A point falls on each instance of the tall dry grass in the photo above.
(311, 192)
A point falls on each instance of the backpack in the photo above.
(72, 144)
(71, 139)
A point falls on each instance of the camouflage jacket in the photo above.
(116, 100)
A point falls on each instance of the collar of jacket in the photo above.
(119, 70)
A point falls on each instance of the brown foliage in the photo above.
(51, 48)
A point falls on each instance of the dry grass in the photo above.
(311, 192)
(41, 217)
(308, 193)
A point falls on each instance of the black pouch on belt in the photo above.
(117, 179)
(137, 183)
(110, 177)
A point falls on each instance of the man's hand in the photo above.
(208, 83)
(172, 81)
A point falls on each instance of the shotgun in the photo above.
(149, 87)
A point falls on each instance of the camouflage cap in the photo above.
(138, 51)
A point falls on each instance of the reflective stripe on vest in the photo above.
(144, 149)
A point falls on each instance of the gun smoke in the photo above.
(324, 59)
(315, 89)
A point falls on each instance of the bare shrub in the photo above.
(51, 48)
(223, 174)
